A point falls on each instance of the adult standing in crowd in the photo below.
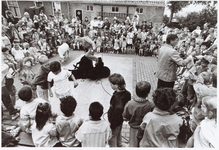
(86, 21)
(106, 24)
(10, 17)
(27, 20)
(8, 91)
(168, 59)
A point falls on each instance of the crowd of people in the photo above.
(185, 94)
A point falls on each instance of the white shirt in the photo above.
(18, 54)
(205, 135)
(94, 133)
(46, 137)
(61, 82)
(28, 113)
(66, 127)
(62, 49)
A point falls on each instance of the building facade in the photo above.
(149, 10)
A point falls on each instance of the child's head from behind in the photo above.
(164, 98)
(68, 105)
(209, 107)
(25, 93)
(117, 82)
(95, 110)
(143, 89)
(55, 67)
(43, 113)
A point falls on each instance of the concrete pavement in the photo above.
(134, 69)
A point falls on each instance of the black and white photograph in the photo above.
(109, 73)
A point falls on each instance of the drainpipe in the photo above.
(68, 10)
(127, 10)
(101, 12)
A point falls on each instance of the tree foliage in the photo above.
(194, 19)
(176, 6)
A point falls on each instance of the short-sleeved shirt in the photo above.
(67, 127)
(28, 112)
(61, 82)
(46, 137)
(160, 129)
(94, 133)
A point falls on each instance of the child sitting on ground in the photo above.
(117, 103)
(60, 77)
(17, 52)
(28, 110)
(44, 132)
(205, 135)
(9, 60)
(136, 109)
(67, 124)
(94, 132)
(161, 121)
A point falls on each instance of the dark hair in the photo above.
(95, 110)
(118, 80)
(214, 79)
(4, 49)
(164, 98)
(192, 39)
(43, 113)
(55, 66)
(171, 37)
(203, 60)
(204, 43)
(68, 105)
(142, 89)
(25, 93)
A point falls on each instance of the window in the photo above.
(139, 10)
(89, 8)
(115, 9)
(38, 4)
(13, 6)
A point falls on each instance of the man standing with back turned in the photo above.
(168, 59)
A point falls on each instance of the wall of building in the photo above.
(150, 13)
(48, 9)
(25, 5)
(65, 9)
(83, 7)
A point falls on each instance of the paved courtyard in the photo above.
(133, 68)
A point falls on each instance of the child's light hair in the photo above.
(211, 105)
(117, 79)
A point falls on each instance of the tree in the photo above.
(194, 19)
(176, 6)
(209, 14)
